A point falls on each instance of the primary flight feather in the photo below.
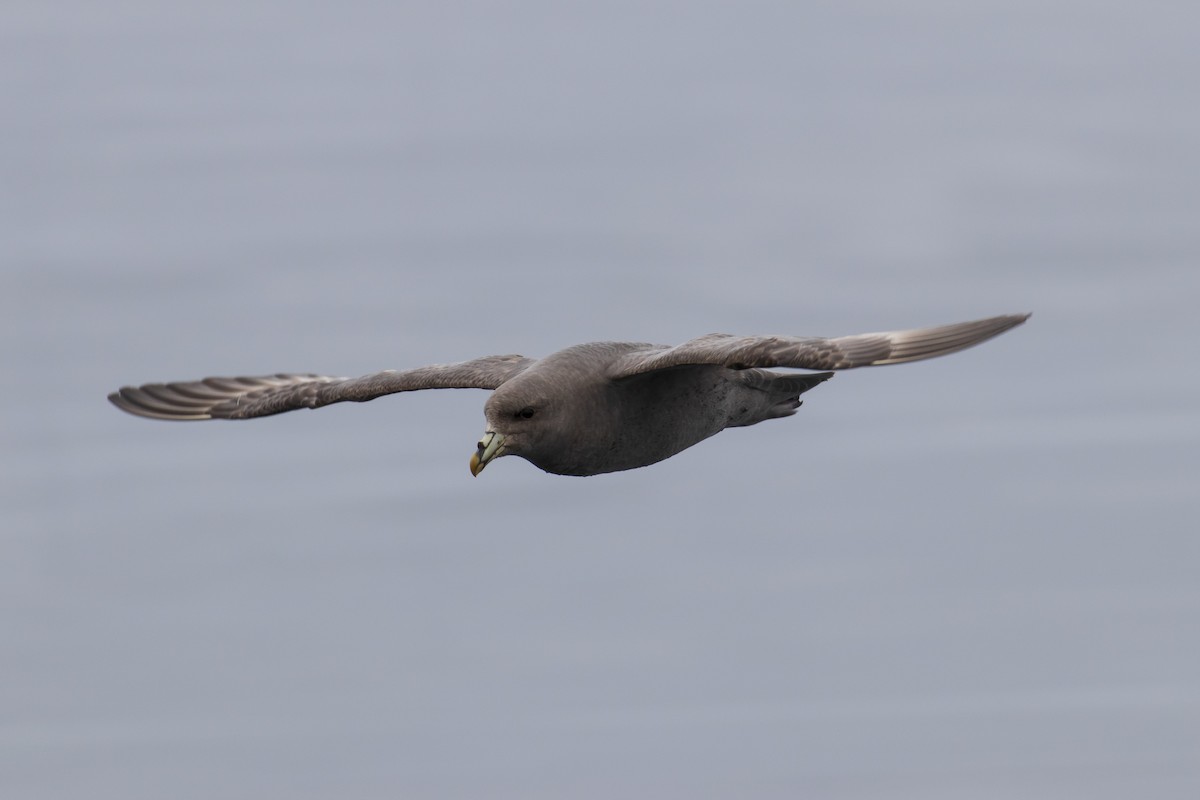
(591, 408)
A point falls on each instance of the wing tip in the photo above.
(134, 400)
(920, 344)
(1004, 322)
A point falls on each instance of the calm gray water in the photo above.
(972, 577)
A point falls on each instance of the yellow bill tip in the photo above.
(490, 446)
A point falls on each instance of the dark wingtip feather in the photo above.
(142, 403)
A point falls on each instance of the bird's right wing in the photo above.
(814, 352)
(242, 398)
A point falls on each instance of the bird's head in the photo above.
(520, 417)
(558, 415)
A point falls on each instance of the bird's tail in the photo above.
(783, 391)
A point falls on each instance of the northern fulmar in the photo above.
(591, 408)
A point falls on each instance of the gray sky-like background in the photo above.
(973, 577)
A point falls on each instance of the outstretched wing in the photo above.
(242, 398)
(812, 352)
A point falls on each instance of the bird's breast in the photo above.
(645, 419)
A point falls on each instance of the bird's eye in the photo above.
(525, 413)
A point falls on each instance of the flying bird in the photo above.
(591, 408)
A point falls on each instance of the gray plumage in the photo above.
(591, 408)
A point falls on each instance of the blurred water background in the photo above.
(972, 577)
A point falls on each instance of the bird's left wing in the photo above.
(814, 352)
(242, 398)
